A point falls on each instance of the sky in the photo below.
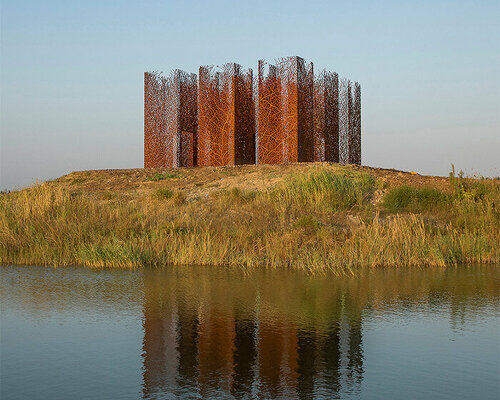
(71, 78)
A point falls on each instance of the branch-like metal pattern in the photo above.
(285, 115)
(355, 129)
(326, 117)
(154, 120)
(225, 118)
(269, 131)
(170, 111)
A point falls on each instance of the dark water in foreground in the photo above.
(76, 333)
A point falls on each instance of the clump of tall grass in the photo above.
(237, 195)
(162, 194)
(472, 189)
(176, 197)
(160, 177)
(308, 223)
(324, 190)
(407, 198)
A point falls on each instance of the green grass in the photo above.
(472, 189)
(160, 177)
(406, 198)
(324, 191)
(308, 223)
(176, 197)
(78, 181)
(162, 194)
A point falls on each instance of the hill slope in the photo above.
(312, 216)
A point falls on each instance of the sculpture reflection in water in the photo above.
(221, 334)
(248, 341)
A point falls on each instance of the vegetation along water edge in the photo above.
(316, 217)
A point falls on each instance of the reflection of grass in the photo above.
(316, 222)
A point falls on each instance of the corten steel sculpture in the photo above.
(285, 111)
(170, 119)
(226, 116)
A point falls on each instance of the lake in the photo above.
(80, 333)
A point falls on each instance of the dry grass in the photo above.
(319, 219)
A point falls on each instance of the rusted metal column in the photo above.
(269, 129)
(305, 102)
(344, 119)
(244, 130)
(355, 128)
(216, 117)
(287, 69)
(187, 128)
(226, 116)
(285, 117)
(170, 107)
(154, 120)
(326, 117)
(206, 103)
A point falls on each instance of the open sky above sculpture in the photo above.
(225, 117)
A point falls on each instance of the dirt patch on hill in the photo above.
(199, 182)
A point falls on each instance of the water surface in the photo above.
(208, 333)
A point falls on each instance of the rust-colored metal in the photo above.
(269, 131)
(154, 120)
(226, 116)
(170, 108)
(288, 115)
(285, 111)
(186, 149)
(355, 128)
(326, 117)
(344, 117)
(244, 117)
(305, 110)
(349, 122)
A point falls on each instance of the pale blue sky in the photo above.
(72, 74)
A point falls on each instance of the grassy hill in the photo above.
(311, 216)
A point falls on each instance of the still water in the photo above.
(77, 333)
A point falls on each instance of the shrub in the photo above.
(162, 194)
(179, 198)
(308, 223)
(471, 189)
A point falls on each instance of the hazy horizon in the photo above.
(72, 75)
